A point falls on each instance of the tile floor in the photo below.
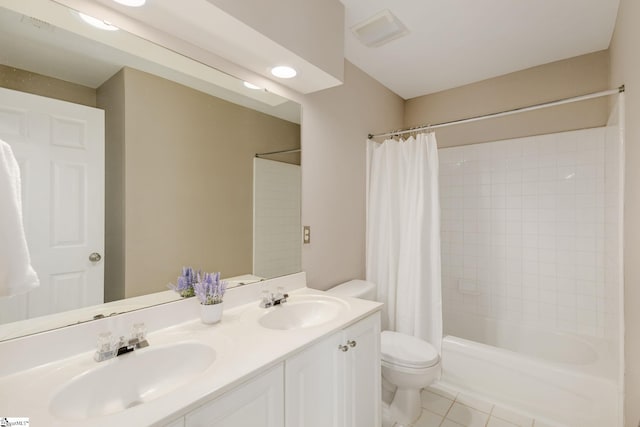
(445, 407)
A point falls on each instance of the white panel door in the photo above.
(258, 403)
(60, 149)
(314, 386)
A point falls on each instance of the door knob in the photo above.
(95, 257)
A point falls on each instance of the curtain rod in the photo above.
(503, 113)
(294, 150)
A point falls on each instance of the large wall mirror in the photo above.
(135, 162)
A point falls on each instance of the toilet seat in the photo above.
(406, 351)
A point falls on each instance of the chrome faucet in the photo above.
(270, 299)
(108, 349)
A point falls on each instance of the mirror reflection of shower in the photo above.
(277, 240)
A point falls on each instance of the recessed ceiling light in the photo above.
(97, 23)
(283, 72)
(132, 3)
(251, 86)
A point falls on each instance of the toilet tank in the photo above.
(355, 289)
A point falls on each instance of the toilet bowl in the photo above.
(408, 363)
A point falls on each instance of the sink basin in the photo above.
(303, 312)
(130, 380)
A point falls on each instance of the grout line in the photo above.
(448, 410)
(490, 415)
(450, 421)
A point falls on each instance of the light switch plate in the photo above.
(306, 234)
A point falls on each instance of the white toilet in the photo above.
(408, 364)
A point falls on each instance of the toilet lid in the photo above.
(407, 351)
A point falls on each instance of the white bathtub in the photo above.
(559, 377)
(589, 355)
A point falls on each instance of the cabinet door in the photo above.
(362, 379)
(258, 403)
(314, 386)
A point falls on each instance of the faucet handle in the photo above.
(139, 331)
(282, 296)
(105, 347)
(266, 299)
(105, 342)
(139, 335)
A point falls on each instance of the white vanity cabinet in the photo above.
(336, 382)
(257, 403)
(333, 383)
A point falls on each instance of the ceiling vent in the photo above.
(379, 29)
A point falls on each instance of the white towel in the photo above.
(16, 274)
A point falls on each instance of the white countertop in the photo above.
(243, 349)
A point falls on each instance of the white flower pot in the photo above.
(212, 313)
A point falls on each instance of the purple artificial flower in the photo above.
(210, 289)
(184, 283)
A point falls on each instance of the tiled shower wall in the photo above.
(530, 231)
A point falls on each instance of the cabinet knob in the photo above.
(343, 347)
(352, 343)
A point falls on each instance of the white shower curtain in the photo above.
(403, 234)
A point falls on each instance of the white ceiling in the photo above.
(455, 42)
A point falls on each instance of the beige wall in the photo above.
(37, 84)
(335, 124)
(625, 68)
(111, 99)
(188, 167)
(562, 79)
